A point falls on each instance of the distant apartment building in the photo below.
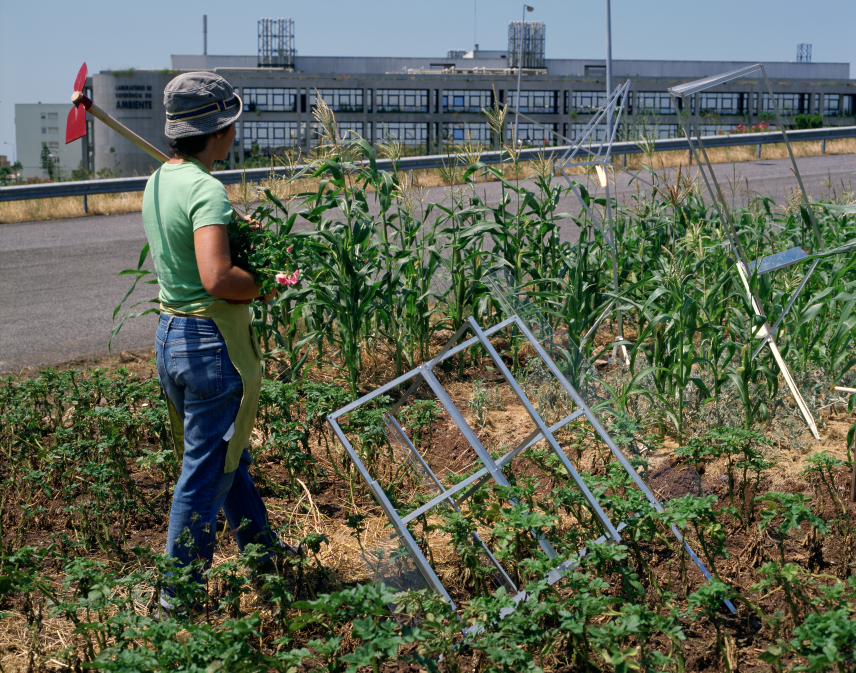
(39, 126)
(429, 104)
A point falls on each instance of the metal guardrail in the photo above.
(138, 184)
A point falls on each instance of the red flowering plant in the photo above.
(763, 127)
(264, 246)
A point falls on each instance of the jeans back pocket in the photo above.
(200, 372)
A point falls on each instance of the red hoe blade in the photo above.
(75, 127)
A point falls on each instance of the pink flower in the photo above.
(289, 248)
(284, 279)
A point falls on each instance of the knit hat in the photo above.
(198, 103)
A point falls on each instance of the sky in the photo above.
(44, 42)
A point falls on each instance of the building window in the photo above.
(588, 102)
(407, 133)
(44, 130)
(44, 115)
(53, 145)
(835, 105)
(533, 135)
(467, 101)
(270, 100)
(463, 132)
(654, 102)
(270, 135)
(52, 115)
(340, 100)
(595, 70)
(789, 103)
(723, 103)
(535, 102)
(53, 130)
(401, 100)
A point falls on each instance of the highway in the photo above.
(59, 283)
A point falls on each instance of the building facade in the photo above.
(39, 126)
(431, 104)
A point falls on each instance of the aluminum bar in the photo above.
(701, 84)
(560, 454)
(493, 469)
(423, 566)
(530, 441)
(775, 327)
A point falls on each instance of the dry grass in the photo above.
(727, 155)
(129, 202)
(69, 206)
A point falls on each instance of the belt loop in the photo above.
(168, 325)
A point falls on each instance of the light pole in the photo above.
(608, 70)
(526, 8)
(14, 158)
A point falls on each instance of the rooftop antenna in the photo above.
(803, 52)
(204, 34)
(276, 43)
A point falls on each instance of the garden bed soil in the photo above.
(325, 511)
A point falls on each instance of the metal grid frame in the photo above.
(492, 468)
(276, 43)
(746, 268)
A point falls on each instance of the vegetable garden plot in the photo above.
(528, 522)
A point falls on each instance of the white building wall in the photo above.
(372, 65)
(37, 124)
(136, 100)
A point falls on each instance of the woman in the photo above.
(207, 354)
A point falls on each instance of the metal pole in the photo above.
(204, 34)
(608, 70)
(519, 70)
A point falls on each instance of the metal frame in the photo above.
(492, 468)
(745, 267)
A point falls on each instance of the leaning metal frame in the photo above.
(492, 468)
(746, 268)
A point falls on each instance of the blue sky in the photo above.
(43, 42)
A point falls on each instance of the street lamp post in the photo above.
(14, 158)
(608, 69)
(526, 8)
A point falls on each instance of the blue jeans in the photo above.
(195, 370)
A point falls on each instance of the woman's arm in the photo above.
(219, 277)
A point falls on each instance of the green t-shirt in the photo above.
(187, 197)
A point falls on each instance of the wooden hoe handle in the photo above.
(79, 99)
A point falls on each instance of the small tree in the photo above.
(47, 162)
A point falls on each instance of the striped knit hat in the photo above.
(198, 103)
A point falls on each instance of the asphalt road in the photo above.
(59, 283)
